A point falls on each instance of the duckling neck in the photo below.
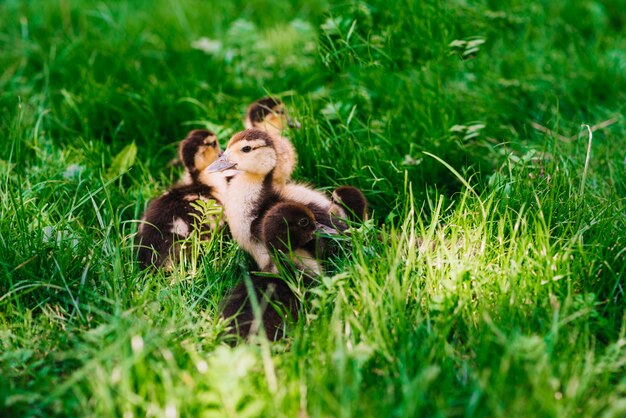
(249, 196)
(244, 191)
(269, 196)
(188, 178)
(193, 175)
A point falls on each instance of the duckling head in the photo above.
(251, 151)
(198, 150)
(349, 204)
(269, 114)
(288, 225)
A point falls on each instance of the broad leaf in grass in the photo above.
(123, 161)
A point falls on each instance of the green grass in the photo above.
(490, 281)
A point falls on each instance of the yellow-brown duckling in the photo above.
(196, 152)
(172, 217)
(252, 191)
(269, 115)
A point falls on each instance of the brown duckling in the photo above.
(172, 217)
(287, 229)
(252, 191)
(277, 302)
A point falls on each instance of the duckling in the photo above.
(172, 217)
(277, 302)
(187, 148)
(252, 191)
(349, 203)
(319, 202)
(268, 114)
(196, 152)
(287, 228)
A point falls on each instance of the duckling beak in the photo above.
(324, 229)
(221, 164)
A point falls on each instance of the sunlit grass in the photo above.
(489, 281)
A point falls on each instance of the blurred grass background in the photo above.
(504, 298)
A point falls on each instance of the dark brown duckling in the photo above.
(277, 302)
(288, 230)
(172, 216)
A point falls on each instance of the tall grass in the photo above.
(489, 282)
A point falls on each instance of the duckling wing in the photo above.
(318, 202)
(168, 219)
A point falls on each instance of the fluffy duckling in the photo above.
(252, 191)
(172, 217)
(349, 203)
(269, 115)
(196, 152)
(287, 229)
(277, 302)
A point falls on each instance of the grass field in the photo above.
(489, 282)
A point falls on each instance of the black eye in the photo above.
(303, 222)
(246, 149)
(212, 143)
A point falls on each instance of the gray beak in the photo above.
(321, 228)
(221, 164)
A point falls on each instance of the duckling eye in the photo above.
(246, 149)
(303, 222)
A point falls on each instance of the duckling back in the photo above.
(171, 218)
